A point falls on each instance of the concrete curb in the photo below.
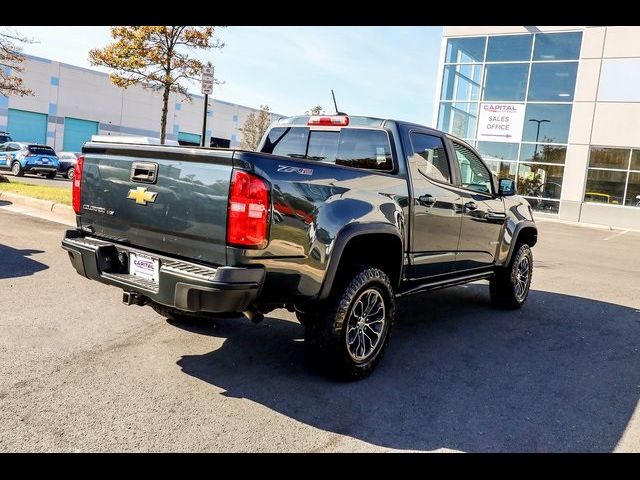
(57, 209)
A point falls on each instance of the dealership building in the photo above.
(70, 104)
(555, 108)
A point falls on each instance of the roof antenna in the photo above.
(338, 112)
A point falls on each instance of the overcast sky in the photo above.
(378, 71)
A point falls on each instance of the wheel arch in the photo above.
(525, 232)
(379, 245)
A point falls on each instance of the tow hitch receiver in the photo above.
(133, 298)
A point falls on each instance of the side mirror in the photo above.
(506, 187)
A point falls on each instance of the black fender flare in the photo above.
(514, 239)
(343, 237)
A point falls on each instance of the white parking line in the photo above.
(616, 235)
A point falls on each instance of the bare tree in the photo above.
(317, 110)
(254, 127)
(156, 57)
(11, 63)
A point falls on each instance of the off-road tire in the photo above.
(508, 288)
(327, 336)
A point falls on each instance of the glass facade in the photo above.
(536, 70)
(614, 176)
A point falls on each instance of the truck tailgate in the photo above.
(166, 199)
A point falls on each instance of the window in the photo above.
(459, 119)
(509, 48)
(543, 153)
(323, 146)
(605, 186)
(41, 150)
(3, 147)
(287, 141)
(351, 147)
(506, 82)
(542, 181)
(429, 157)
(633, 190)
(557, 46)
(461, 82)
(13, 147)
(363, 148)
(609, 158)
(474, 175)
(546, 123)
(503, 169)
(465, 50)
(552, 82)
(498, 150)
(612, 172)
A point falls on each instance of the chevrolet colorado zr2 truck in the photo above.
(334, 217)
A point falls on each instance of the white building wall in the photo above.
(63, 90)
(606, 109)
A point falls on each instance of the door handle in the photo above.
(427, 200)
(471, 205)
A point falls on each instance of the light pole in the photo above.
(535, 152)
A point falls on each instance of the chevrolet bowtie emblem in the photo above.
(141, 196)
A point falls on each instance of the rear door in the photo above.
(483, 213)
(168, 199)
(436, 217)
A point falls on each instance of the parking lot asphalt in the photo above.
(79, 371)
(59, 181)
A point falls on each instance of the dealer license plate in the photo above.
(144, 266)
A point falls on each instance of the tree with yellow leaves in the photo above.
(11, 61)
(156, 57)
(254, 127)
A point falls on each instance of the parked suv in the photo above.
(24, 158)
(68, 162)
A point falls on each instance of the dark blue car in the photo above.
(68, 162)
(24, 158)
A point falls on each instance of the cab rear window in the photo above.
(352, 147)
(41, 150)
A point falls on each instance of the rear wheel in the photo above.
(17, 169)
(70, 173)
(350, 332)
(509, 288)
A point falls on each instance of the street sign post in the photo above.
(207, 89)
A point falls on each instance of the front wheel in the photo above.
(509, 288)
(350, 333)
(17, 169)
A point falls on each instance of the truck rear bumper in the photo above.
(182, 285)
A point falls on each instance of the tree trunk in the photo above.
(165, 108)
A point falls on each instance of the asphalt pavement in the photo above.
(79, 371)
(59, 181)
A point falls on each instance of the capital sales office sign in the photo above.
(500, 122)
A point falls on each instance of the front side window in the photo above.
(474, 175)
(429, 157)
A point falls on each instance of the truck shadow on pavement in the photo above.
(562, 374)
(16, 263)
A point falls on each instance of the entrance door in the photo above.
(436, 211)
(483, 212)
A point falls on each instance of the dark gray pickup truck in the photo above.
(334, 218)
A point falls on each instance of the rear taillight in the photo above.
(329, 121)
(247, 212)
(77, 180)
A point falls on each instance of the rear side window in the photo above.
(362, 148)
(430, 157)
(41, 150)
(351, 147)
